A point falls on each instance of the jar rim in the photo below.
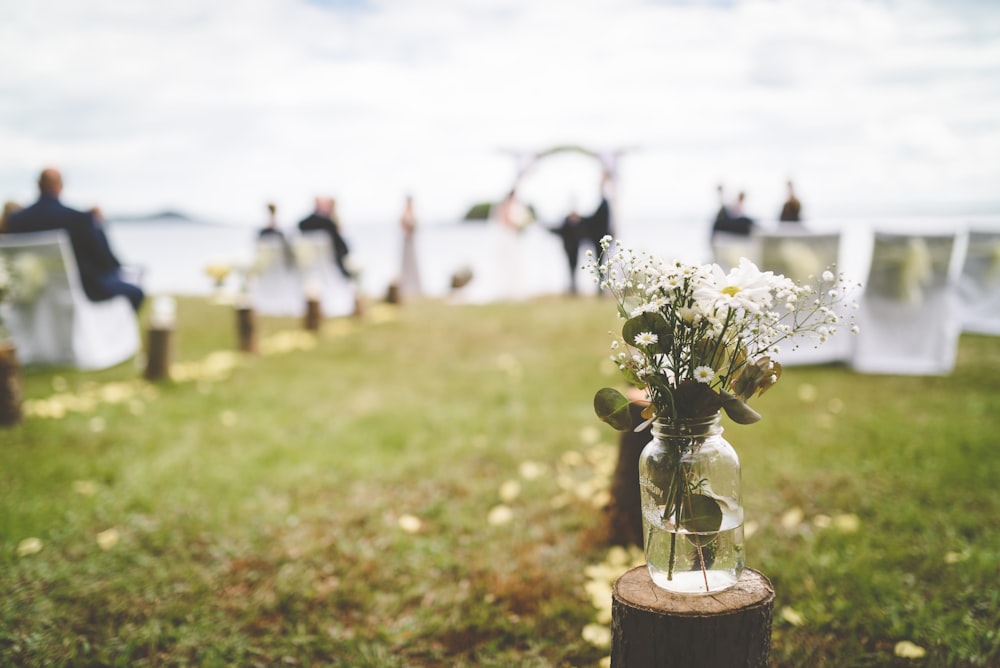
(688, 426)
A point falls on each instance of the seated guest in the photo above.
(731, 219)
(9, 207)
(271, 228)
(791, 211)
(100, 270)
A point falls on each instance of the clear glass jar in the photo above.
(692, 507)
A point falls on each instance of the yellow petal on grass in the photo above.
(510, 490)
(905, 649)
(499, 515)
(617, 556)
(29, 546)
(825, 421)
(531, 470)
(601, 499)
(792, 616)
(597, 635)
(108, 538)
(85, 487)
(571, 458)
(847, 522)
(409, 523)
(792, 518)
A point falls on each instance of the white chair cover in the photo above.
(979, 283)
(909, 315)
(728, 248)
(275, 287)
(58, 324)
(320, 274)
(803, 256)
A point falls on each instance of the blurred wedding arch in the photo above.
(566, 177)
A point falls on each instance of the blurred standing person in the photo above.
(570, 231)
(100, 270)
(597, 225)
(511, 217)
(409, 272)
(791, 212)
(323, 218)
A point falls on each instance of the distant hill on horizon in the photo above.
(165, 215)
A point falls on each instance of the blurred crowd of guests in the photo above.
(731, 217)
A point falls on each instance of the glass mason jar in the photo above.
(692, 508)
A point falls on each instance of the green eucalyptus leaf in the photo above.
(701, 514)
(648, 322)
(612, 407)
(737, 410)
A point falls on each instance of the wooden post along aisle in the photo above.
(246, 329)
(655, 628)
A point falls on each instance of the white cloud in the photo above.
(218, 107)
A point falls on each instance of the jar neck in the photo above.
(697, 427)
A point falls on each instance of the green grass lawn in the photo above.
(421, 487)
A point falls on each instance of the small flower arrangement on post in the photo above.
(697, 341)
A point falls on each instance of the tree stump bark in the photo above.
(10, 386)
(623, 514)
(246, 329)
(159, 345)
(314, 316)
(653, 628)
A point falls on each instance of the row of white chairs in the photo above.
(51, 321)
(49, 317)
(285, 274)
(919, 293)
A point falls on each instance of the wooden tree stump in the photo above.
(10, 386)
(652, 627)
(314, 316)
(623, 514)
(246, 329)
(159, 344)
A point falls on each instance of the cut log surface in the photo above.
(654, 628)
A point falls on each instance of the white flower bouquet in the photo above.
(698, 340)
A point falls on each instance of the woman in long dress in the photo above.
(409, 273)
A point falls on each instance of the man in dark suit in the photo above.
(100, 270)
(323, 218)
(570, 232)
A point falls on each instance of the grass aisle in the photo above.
(417, 489)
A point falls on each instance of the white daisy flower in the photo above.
(646, 339)
(704, 374)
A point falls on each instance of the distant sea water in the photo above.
(175, 253)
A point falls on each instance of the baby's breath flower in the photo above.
(715, 327)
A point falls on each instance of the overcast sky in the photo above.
(215, 107)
